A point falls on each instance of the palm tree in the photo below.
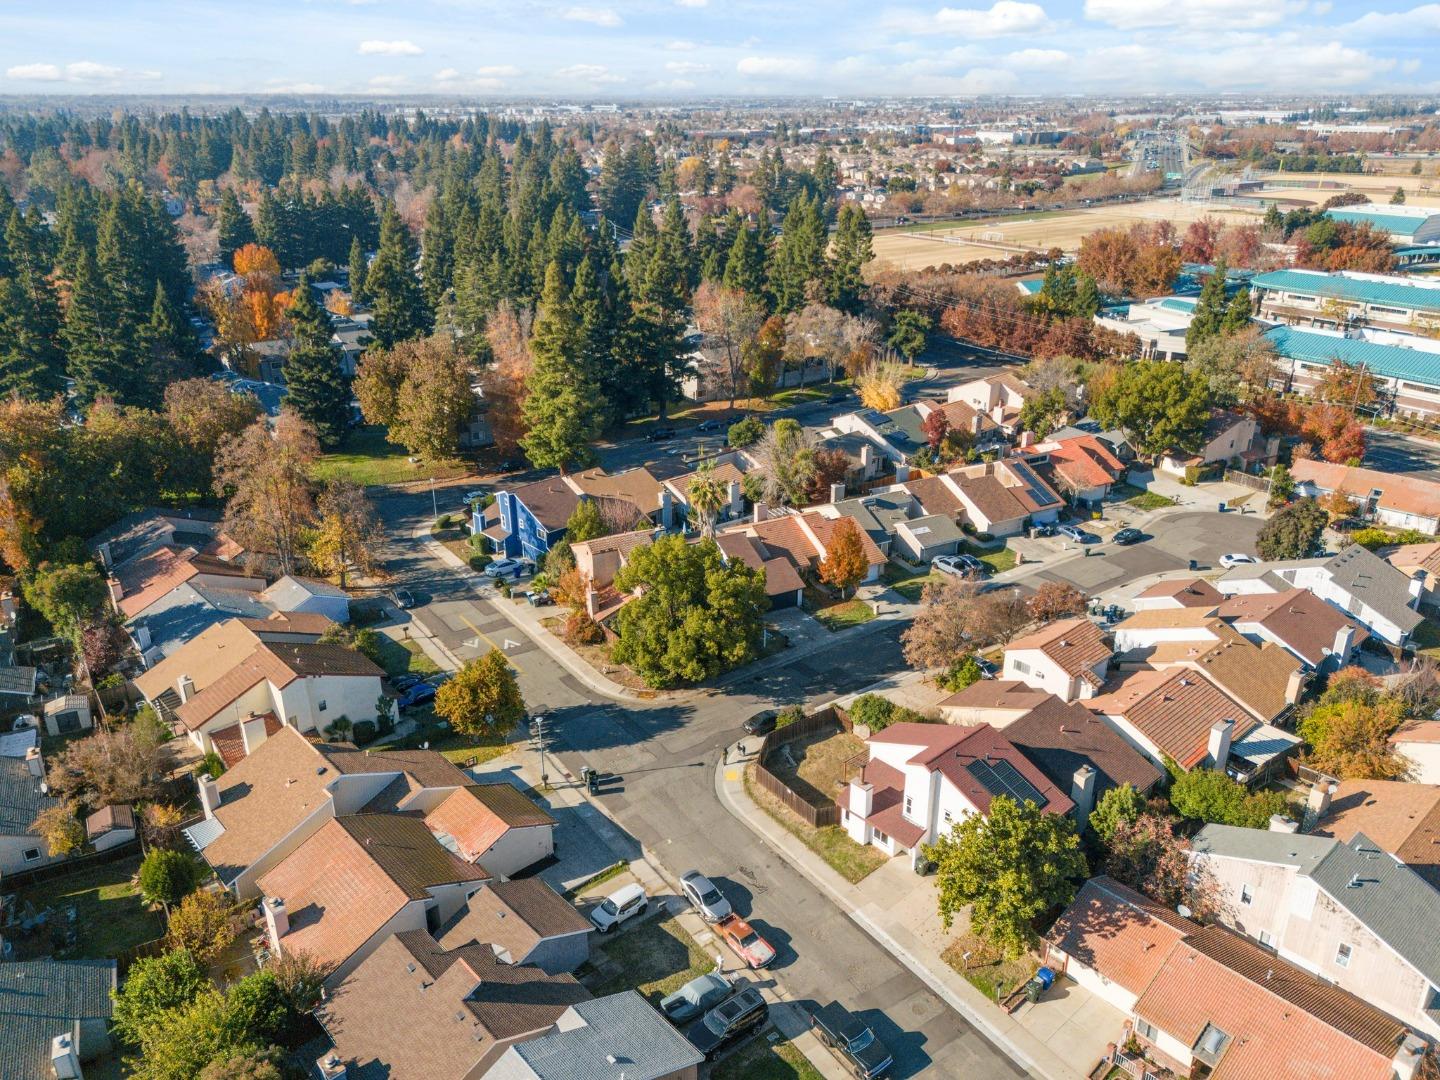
(707, 495)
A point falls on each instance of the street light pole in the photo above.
(434, 503)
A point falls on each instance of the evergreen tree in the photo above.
(168, 346)
(799, 255)
(357, 265)
(1211, 309)
(1274, 219)
(1237, 313)
(1087, 297)
(234, 226)
(29, 361)
(849, 253)
(564, 407)
(745, 265)
(394, 290)
(315, 383)
(98, 359)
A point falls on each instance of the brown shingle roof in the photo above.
(280, 663)
(1060, 738)
(551, 500)
(1187, 592)
(1297, 617)
(108, 818)
(996, 694)
(514, 916)
(148, 578)
(209, 655)
(1175, 709)
(478, 815)
(429, 768)
(1257, 677)
(935, 495)
(408, 854)
(1076, 645)
(824, 529)
(1403, 818)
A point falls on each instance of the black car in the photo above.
(837, 397)
(708, 425)
(1129, 536)
(844, 1032)
(728, 1022)
(660, 434)
(404, 682)
(762, 723)
(511, 465)
(422, 693)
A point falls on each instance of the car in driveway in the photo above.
(762, 723)
(727, 1023)
(404, 599)
(1237, 558)
(1129, 536)
(624, 903)
(472, 497)
(745, 942)
(404, 682)
(539, 598)
(853, 1039)
(704, 897)
(962, 566)
(421, 693)
(695, 998)
(708, 425)
(1073, 532)
(504, 568)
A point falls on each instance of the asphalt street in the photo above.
(1391, 452)
(665, 756)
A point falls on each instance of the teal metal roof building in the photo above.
(1382, 361)
(1414, 227)
(1393, 293)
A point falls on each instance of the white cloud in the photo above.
(672, 85)
(693, 3)
(498, 71)
(1038, 58)
(685, 67)
(389, 48)
(34, 72)
(591, 73)
(680, 46)
(1005, 17)
(776, 67)
(447, 75)
(1199, 15)
(595, 16)
(1425, 18)
(86, 70)
(387, 82)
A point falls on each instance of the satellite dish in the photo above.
(1182, 910)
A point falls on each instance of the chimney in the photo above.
(1281, 823)
(1417, 588)
(1344, 638)
(737, 504)
(998, 415)
(1407, 1059)
(975, 422)
(867, 457)
(64, 1057)
(186, 687)
(142, 638)
(34, 763)
(106, 559)
(1082, 793)
(252, 733)
(331, 1066)
(1220, 743)
(862, 798)
(761, 512)
(117, 591)
(837, 492)
(1318, 802)
(667, 514)
(902, 473)
(277, 921)
(1295, 685)
(209, 794)
(1027, 440)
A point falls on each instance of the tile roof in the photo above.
(1169, 619)
(151, 576)
(514, 916)
(277, 662)
(624, 1026)
(1283, 1023)
(1381, 587)
(353, 875)
(230, 741)
(1175, 709)
(20, 798)
(1059, 738)
(1404, 494)
(40, 999)
(1426, 731)
(1075, 645)
(415, 1011)
(935, 495)
(309, 623)
(1411, 557)
(1257, 677)
(951, 750)
(206, 657)
(1083, 460)
(996, 694)
(476, 816)
(1401, 817)
(1188, 592)
(1297, 617)
(1118, 932)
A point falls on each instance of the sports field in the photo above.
(1005, 236)
(1419, 190)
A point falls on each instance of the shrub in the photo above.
(1373, 538)
(789, 715)
(962, 673)
(445, 521)
(167, 876)
(878, 713)
(580, 629)
(746, 432)
(478, 544)
(364, 732)
(1213, 797)
(479, 562)
(211, 765)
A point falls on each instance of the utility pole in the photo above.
(537, 733)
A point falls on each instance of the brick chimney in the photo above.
(1219, 744)
(1082, 793)
(761, 512)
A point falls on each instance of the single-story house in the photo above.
(309, 595)
(1404, 502)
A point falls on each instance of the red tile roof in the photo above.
(1188, 592)
(478, 815)
(1175, 709)
(1075, 645)
(1118, 932)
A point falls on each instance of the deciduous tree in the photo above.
(844, 564)
(1159, 405)
(785, 459)
(482, 699)
(205, 924)
(271, 498)
(348, 535)
(1056, 600)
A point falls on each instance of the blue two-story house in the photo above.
(525, 521)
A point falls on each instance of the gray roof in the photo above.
(20, 800)
(645, 1046)
(1376, 583)
(292, 591)
(908, 419)
(1396, 904)
(1249, 571)
(188, 609)
(140, 531)
(40, 999)
(17, 680)
(935, 529)
(1263, 744)
(879, 514)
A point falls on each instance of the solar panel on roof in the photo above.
(1002, 778)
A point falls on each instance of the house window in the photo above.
(881, 837)
(909, 806)
(1144, 1029)
(1342, 955)
(32, 854)
(1022, 667)
(321, 706)
(1245, 894)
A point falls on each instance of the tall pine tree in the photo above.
(849, 253)
(98, 358)
(233, 225)
(564, 408)
(394, 290)
(315, 383)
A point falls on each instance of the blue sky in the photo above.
(650, 48)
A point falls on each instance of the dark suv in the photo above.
(728, 1022)
(852, 1039)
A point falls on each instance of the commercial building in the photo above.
(1403, 224)
(1406, 366)
(1316, 298)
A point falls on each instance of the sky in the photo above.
(616, 49)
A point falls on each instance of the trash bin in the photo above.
(1221, 507)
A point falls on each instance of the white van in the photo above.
(623, 903)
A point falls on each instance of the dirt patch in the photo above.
(985, 968)
(814, 767)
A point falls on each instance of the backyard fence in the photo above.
(155, 947)
(77, 865)
(827, 719)
(1254, 483)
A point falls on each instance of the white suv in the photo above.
(624, 903)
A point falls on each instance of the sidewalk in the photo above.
(789, 1019)
(878, 905)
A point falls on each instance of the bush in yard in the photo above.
(1373, 538)
(745, 432)
(154, 986)
(365, 732)
(789, 715)
(872, 710)
(168, 876)
(963, 673)
(479, 544)
(204, 924)
(580, 629)
(1118, 805)
(150, 728)
(1293, 532)
(1213, 797)
(479, 562)
(444, 521)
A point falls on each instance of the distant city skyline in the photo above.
(661, 48)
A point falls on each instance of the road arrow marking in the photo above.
(511, 644)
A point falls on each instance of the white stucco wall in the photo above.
(517, 849)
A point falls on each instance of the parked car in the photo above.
(695, 998)
(511, 465)
(964, 566)
(503, 568)
(1237, 558)
(419, 694)
(472, 497)
(704, 897)
(1129, 536)
(404, 682)
(539, 598)
(708, 425)
(660, 434)
(844, 1032)
(404, 599)
(729, 1022)
(762, 723)
(837, 397)
(746, 943)
(1073, 532)
(987, 669)
(624, 903)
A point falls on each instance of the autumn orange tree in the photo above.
(844, 565)
(1352, 387)
(256, 259)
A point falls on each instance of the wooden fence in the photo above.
(77, 865)
(1254, 483)
(827, 719)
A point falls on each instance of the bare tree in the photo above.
(730, 319)
(941, 631)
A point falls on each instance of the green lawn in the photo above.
(1427, 639)
(842, 616)
(609, 873)
(799, 395)
(908, 583)
(367, 457)
(110, 916)
(461, 749)
(404, 658)
(998, 559)
(656, 958)
(854, 862)
(761, 1059)
(1140, 498)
